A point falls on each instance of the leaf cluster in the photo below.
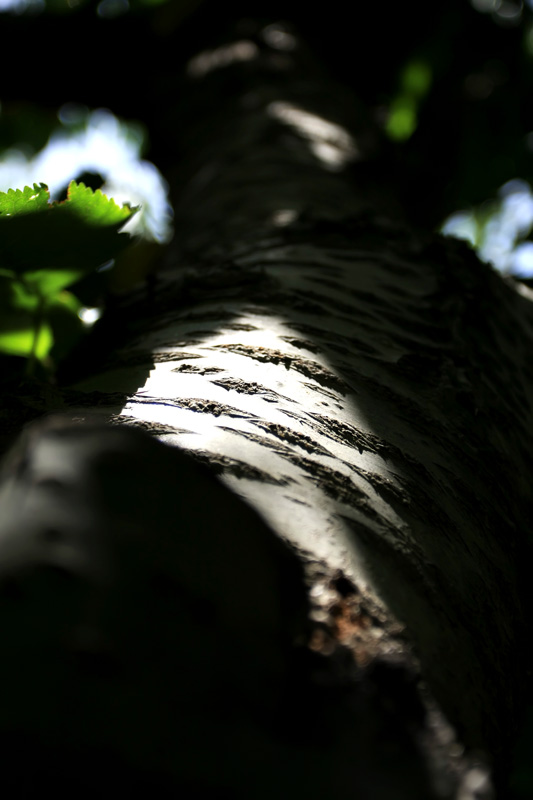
(46, 247)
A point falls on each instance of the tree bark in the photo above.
(367, 389)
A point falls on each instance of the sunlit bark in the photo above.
(365, 387)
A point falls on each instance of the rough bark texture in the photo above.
(367, 389)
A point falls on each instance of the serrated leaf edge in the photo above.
(40, 187)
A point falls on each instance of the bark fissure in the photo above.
(196, 404)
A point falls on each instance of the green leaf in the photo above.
(402, 120)
(45, 247)
(94, 207)
(19, 341)
(79, 233)
(48, 282)
(22, 297)
(24, 201)
(416, 78)
(14, 297)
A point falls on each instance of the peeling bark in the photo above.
(366, 388)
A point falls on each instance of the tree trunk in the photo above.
(367, 388)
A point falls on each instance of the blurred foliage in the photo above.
(471, 132)
(415, 82)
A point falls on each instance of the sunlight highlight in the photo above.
(330, 143)
(210, 60)
(20, 6)
(284, 216)
(507, 13)
(246, 380)
(89, 315)
(279, 38)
